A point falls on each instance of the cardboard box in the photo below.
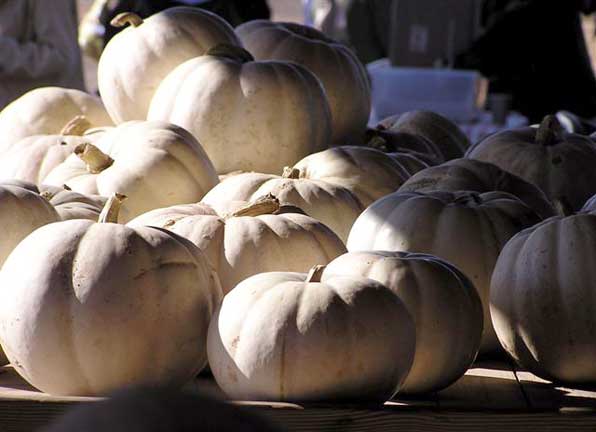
(428, 33)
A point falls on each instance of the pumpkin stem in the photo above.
(563, 207)
(124, 18)
(374, 140)
(232, 52)
(110, 212)
(96, 160)
(267, 204)
(76, 127)
(291, 173)
(48, 195)
(550, 131)
(315, 273)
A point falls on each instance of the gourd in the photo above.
(542, 299)
(139, 57)
(342, 75)
(445, 307)
(249, 238)
(155, 164)
(285, 336)
(105, 306)
(466, 229)
(368, 173)
(477, 176)
(45, 111)
(248, 115)
(329, 203)
(559, 163)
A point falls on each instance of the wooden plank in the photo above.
(544, 395)
(489, 385)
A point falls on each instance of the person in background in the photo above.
(38, 47)
(96, 30)
(535, 51)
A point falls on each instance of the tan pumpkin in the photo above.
(561, 164)
(389, 141)
(542, 299)
(105, 306)
(477, 176)
(45, 111)
(248, 115)
(465, 228)
(155, 163)
(368, 173)
(442, 301)
(285, 336)
(411, 162)
(32, 158)
(139, 57)
(343, 76)
(332, 204)
(253, 238)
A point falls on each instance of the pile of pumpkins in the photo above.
(225, 204)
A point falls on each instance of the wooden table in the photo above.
(493, 396)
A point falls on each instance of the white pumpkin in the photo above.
(155, 164)
(86, 307)
(332, 204)
(285, 336)
(366, 172)
(445, 307)
(45, 111)
(253, 238)
(32, 158)
(542, 299)
(22, 211)
(73, 205)
(465, 228)
(248, 115)
(343, 76)
(139, 57)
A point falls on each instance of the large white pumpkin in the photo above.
(442, 301)
(466, 229)
(330, 203)
(45, 111)
(87, 307)
(248, 115)
(542, 299)
(139, 57)
(255, 238)
(291, 337)
(343, 76)
(155, 164)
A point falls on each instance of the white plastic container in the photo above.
(456, 94)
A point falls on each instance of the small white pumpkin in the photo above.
(248, 115)
(73, 205)
(156, 164)
(45, 111)
(32, 158)
(139, 57)
(252, 238)
(86, 307)
(293, 337)
(442, 301)
(332, 204)
(366, 172)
